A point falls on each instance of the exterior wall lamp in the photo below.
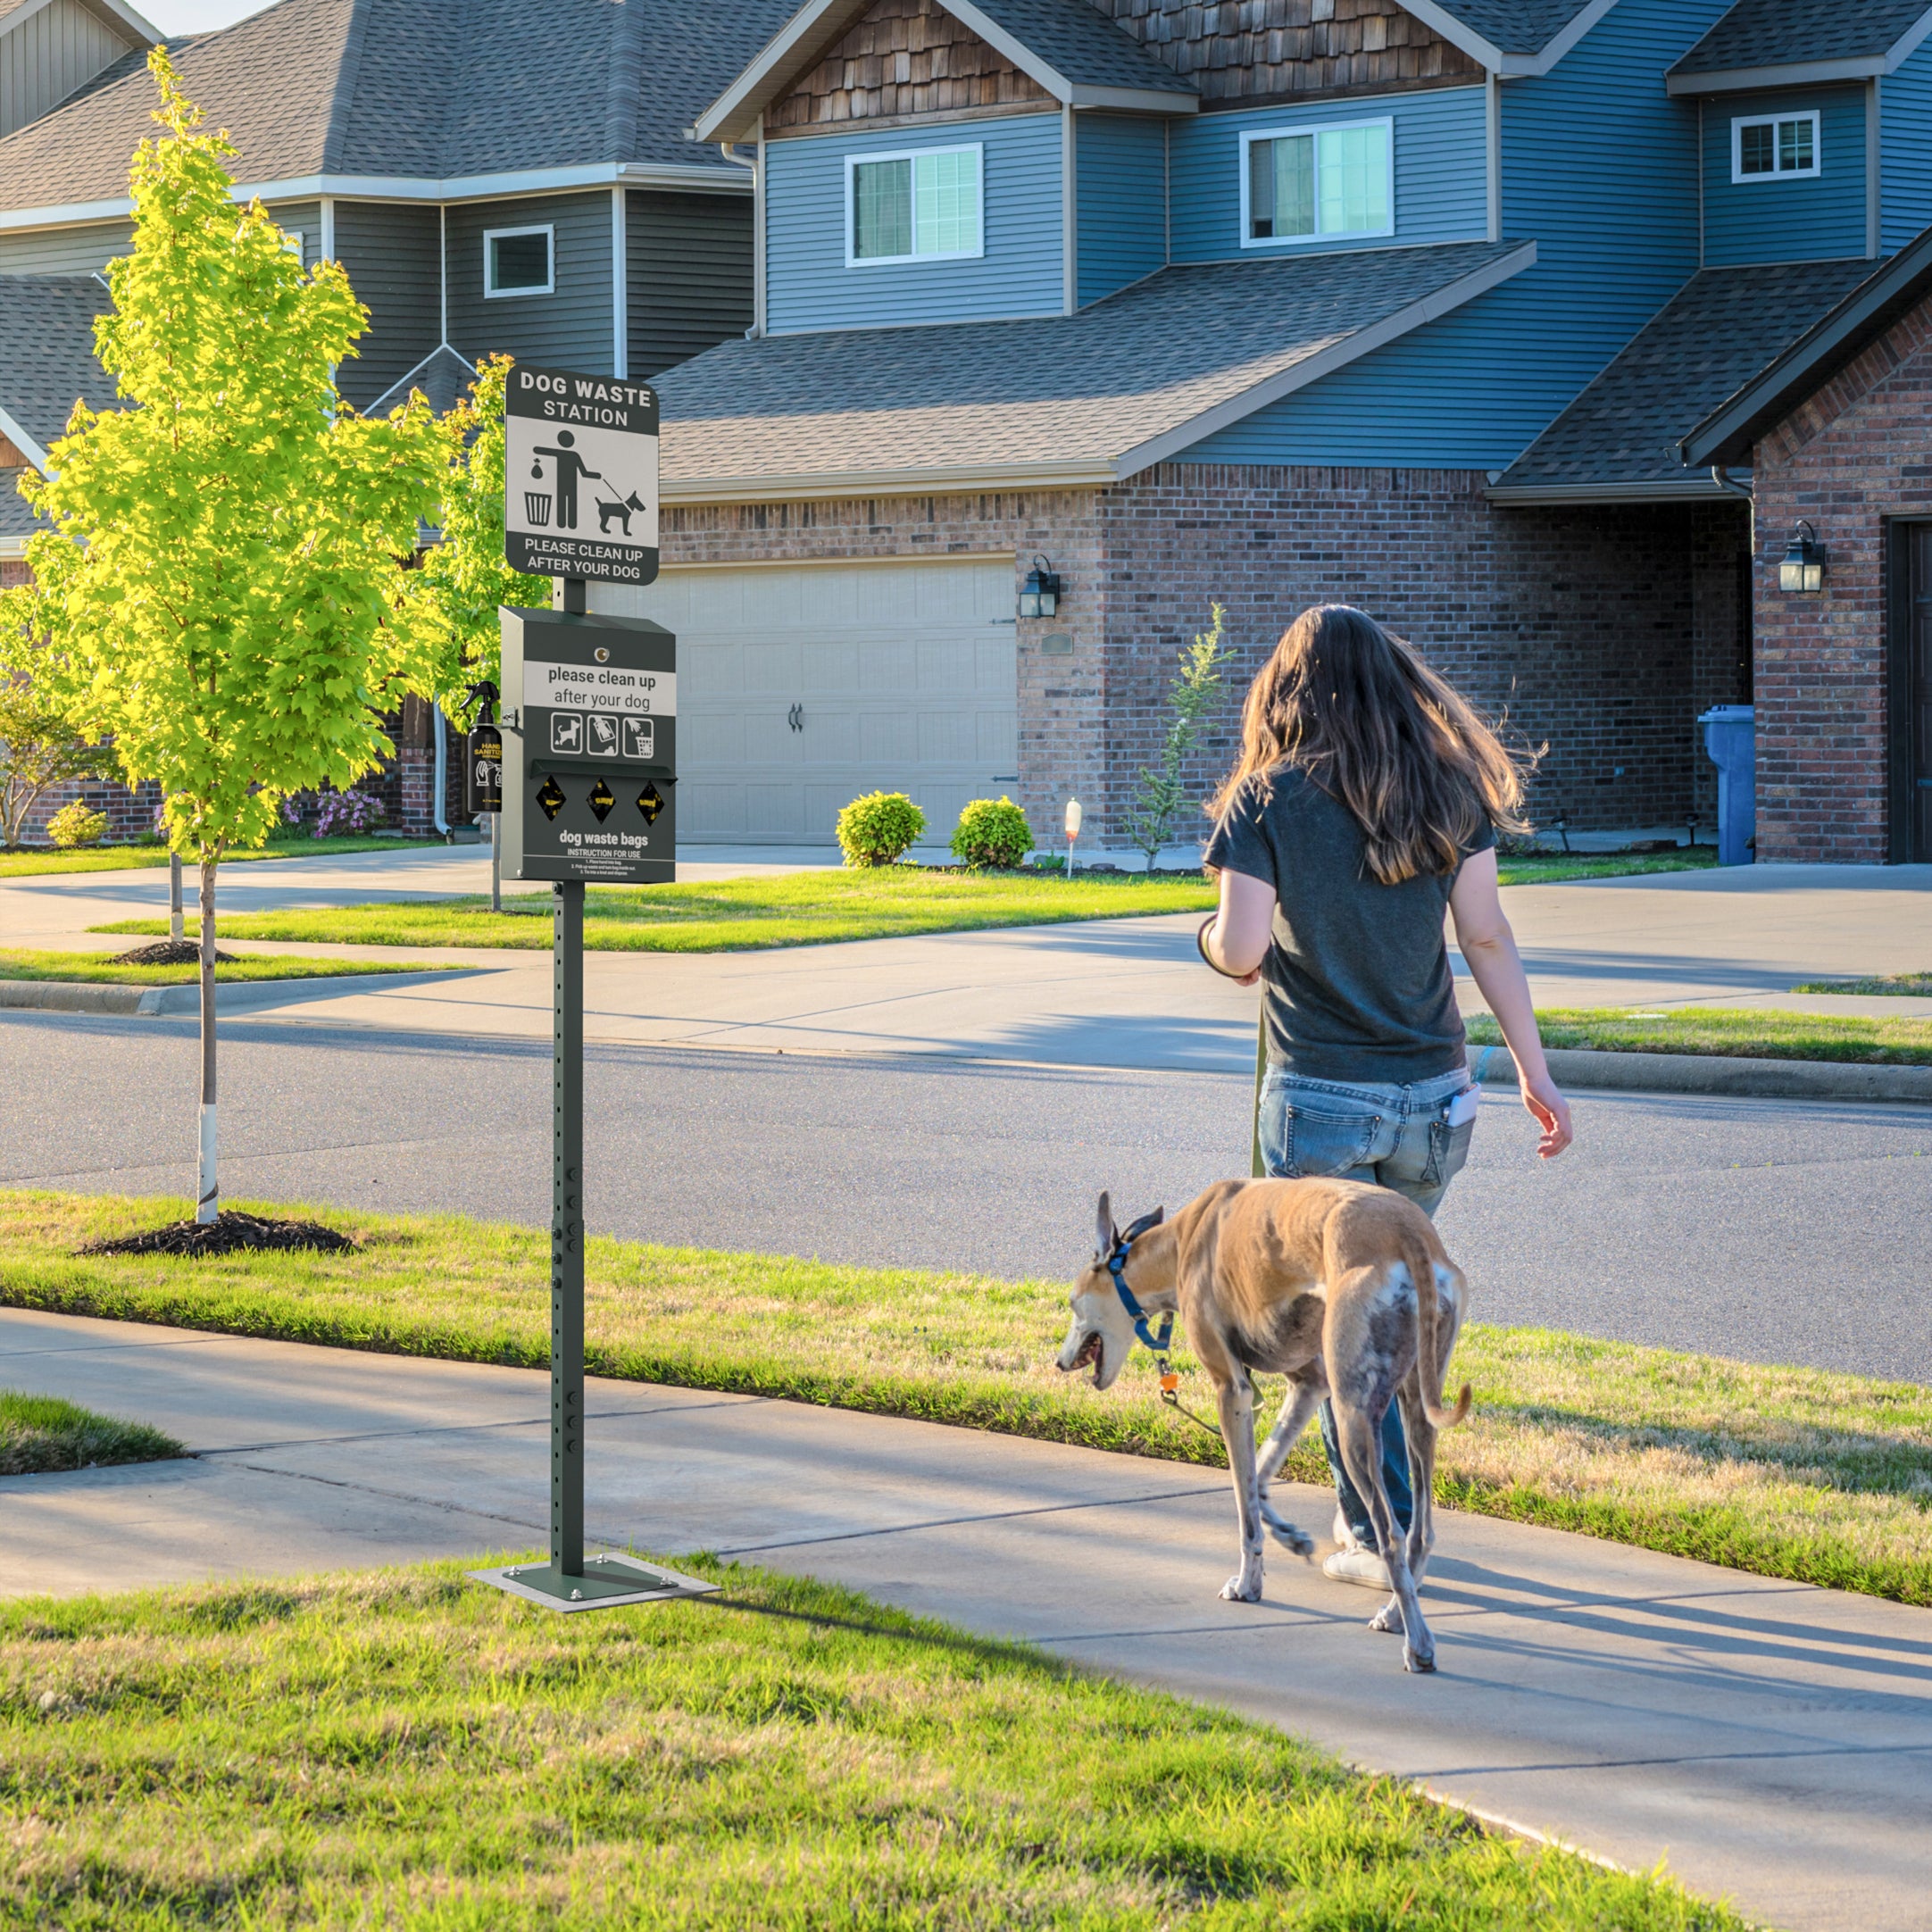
(1039, 596)
(1803, 566)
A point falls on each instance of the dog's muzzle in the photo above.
(1088, 1356)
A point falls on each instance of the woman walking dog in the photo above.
(1366, 802)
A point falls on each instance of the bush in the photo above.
(74, 825)
(344, 813)
(993, 831)
(878, 829)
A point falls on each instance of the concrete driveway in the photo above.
(1766, 1740)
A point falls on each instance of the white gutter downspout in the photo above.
(1493, 150)
(619, 286)
(1721, 475)
(755, 162)
(328, 250)
(441, 818)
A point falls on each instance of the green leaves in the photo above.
(1160, 795)
(466, 574)
(226, 581)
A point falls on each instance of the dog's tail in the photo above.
(1421, 1263)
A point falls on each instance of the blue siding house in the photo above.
(1203, 302)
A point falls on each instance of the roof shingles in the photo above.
(1784, 33)
(47, 350)
(1084, 389)
(1721, 328)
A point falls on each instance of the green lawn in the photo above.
(1891, 985)
(125, 858)
(96, 968)
(39, 1433)
(1744, 1034)
(1789, 1473)
(798, 909)
(408, 1749)
(1555, 868)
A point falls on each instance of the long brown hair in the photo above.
(1359, 711)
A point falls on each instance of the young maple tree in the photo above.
(1161, 795)
(226, 579)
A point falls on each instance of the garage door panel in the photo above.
(905, 675)
(887, 737)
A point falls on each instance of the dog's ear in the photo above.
(1104, 1230)
(1145, 1222)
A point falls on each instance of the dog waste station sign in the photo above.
(590, 724)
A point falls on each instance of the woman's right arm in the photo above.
(1489, 948)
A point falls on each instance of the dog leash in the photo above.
(1160, 1344)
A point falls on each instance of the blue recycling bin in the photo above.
(1731, 742)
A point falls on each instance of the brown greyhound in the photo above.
(1343, 1287)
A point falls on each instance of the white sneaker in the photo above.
(1358, 1566)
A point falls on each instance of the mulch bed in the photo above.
(170, 953)
(229, 1234)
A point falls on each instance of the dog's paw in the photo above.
(1423, 1662)
(1242, 1588)
(1285, 1534)
(1388, 1617)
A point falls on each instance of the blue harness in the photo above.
(1117, 1267)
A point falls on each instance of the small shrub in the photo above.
(345, 813)
(993, 831)
(75, 825)
(879, 829)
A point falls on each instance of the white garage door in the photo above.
(801, 686)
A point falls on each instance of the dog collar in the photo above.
(1117, 1267)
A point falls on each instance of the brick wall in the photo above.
(1852, 455)
(1583, 625)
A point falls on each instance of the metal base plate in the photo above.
(607, 1583)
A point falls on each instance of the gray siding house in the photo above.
(494, 176)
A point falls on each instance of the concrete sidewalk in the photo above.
(1770, 1741)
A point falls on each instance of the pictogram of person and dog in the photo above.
(572, 470)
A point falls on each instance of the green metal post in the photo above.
(567, 1240)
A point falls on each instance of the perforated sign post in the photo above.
(589, 790)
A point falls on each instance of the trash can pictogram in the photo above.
(537, 508)
(1731, 744)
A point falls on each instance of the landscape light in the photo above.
(1804, 565)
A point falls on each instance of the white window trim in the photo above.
(855, 161)
(546, 228)
(292, 241)
(1739, 178)
(1384, 121)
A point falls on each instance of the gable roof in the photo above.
(1619, 440)
(1738, 420)
(1067, 46)
(401, 95)
(1785, 43)
(116, 13)
(1064, 401)
(1512, 36)
(47, 357)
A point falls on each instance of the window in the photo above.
(920, 207)
(1307, 184)
(519, 260)
(1774, 147)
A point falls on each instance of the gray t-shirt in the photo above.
(1356, 983)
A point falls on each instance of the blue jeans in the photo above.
(1391, 1136)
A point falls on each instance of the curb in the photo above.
(1714, 1074)
(89, 996)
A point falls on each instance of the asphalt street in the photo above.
(1770, 1230)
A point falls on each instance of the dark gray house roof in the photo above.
(1082, 44)
(46, 352)
(1769, 42)
(1518, 26)
(1618, 441)
(17, 522)
(352, 91)
(1735, 421)
(1084, 399)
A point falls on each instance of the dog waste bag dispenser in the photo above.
(595, 755)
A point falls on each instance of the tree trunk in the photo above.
(209, 1207)
(174, 895)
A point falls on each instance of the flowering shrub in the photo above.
(74, 825)
(346, 814)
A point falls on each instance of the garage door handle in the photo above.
(796, 717)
